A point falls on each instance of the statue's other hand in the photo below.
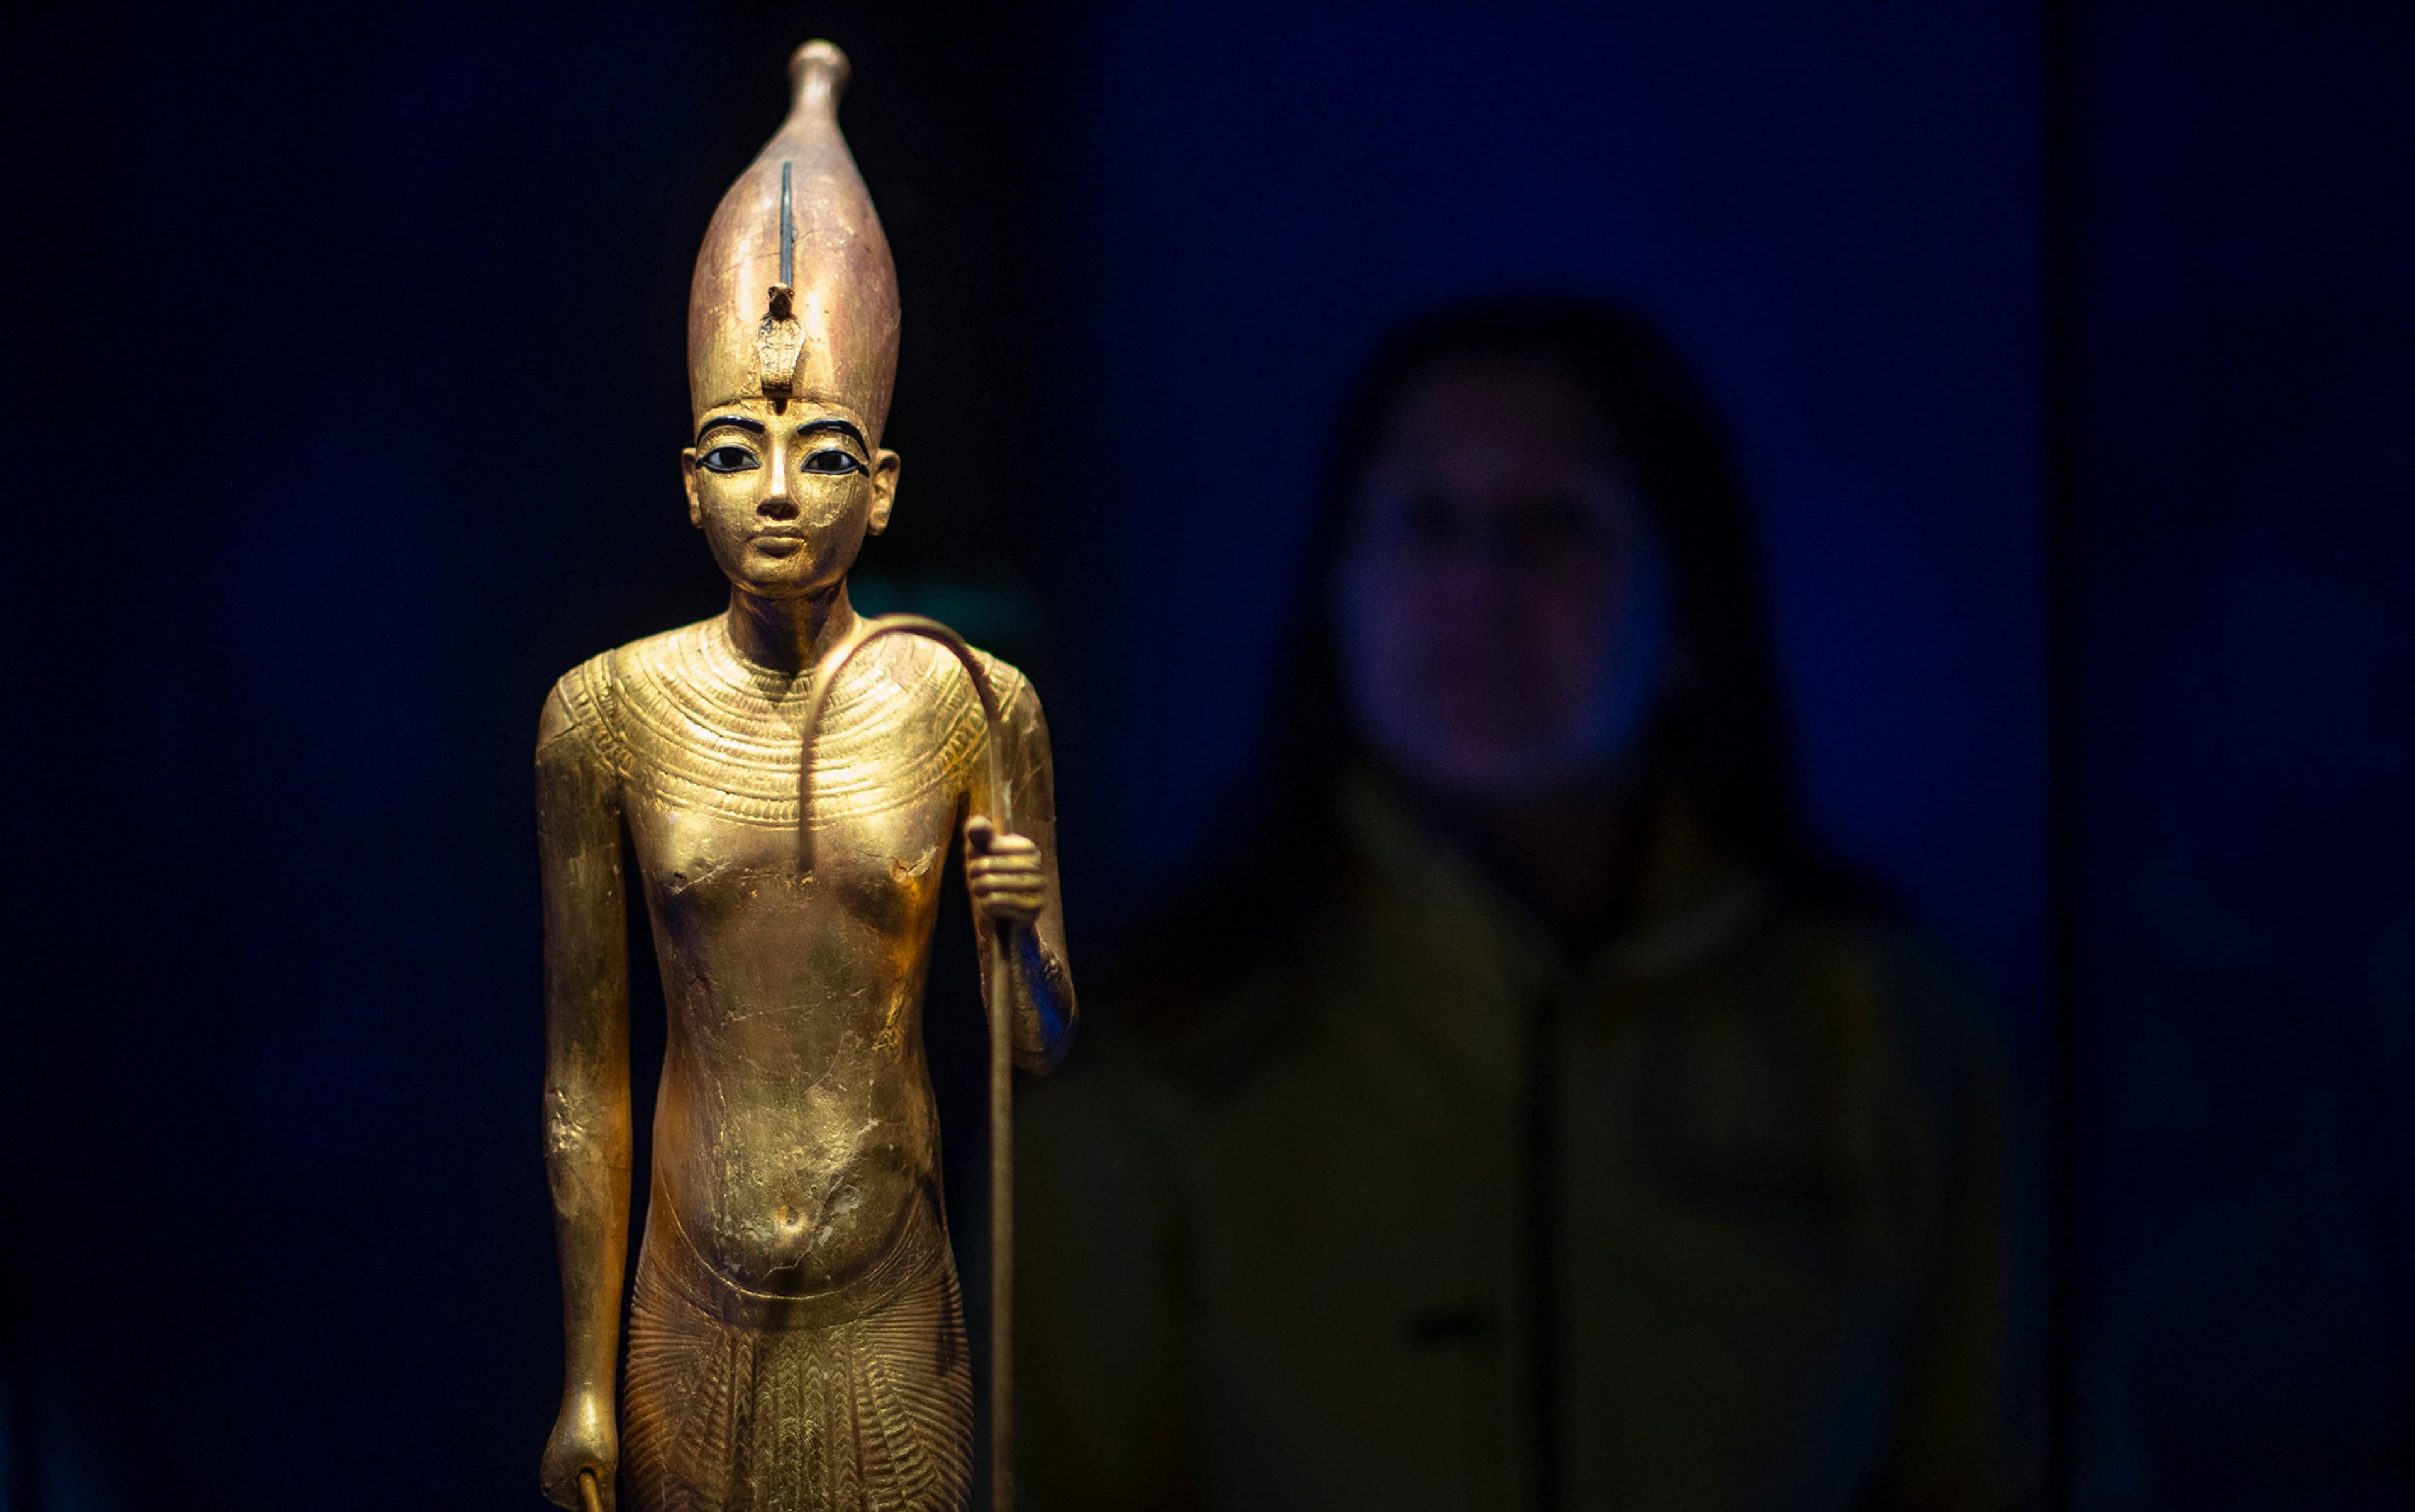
(1005, 874)
(584, 1439)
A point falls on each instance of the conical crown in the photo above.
(795, 295)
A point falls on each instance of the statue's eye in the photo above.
(831, 459)
(729, 459)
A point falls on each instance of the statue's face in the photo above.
(1500, 608)
(785, 494)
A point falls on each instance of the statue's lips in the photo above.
(779, 542)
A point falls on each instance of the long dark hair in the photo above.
(1719, 732)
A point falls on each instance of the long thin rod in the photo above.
(1001, 1011)
(1001, 1225)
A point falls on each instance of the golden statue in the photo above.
(791, 778)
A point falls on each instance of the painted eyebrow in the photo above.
(739, 420)
(834, 423)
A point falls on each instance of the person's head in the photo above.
(792, 350)
(1534, 569)
(1498, 599)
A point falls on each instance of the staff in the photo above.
(980, 835)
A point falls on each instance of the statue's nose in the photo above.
(776, 502)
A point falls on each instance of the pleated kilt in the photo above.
(735, 1401)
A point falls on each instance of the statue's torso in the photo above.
(795, 1138)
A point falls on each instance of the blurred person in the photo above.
(1523, 1116)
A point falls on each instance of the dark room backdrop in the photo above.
(344, 385)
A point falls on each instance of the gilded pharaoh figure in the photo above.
(796, 1339)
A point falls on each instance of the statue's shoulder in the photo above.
(588, 701)
(1018, 703)
(1007, 680)
(574, 705)
(923, 668)
(666, 656)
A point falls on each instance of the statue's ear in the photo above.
(884, 490)
(687, 476)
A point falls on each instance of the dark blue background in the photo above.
(344, 386)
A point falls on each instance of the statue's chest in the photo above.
(880, 869)
(715, 790)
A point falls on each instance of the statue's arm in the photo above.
(1028, 903)
(586, 1112)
